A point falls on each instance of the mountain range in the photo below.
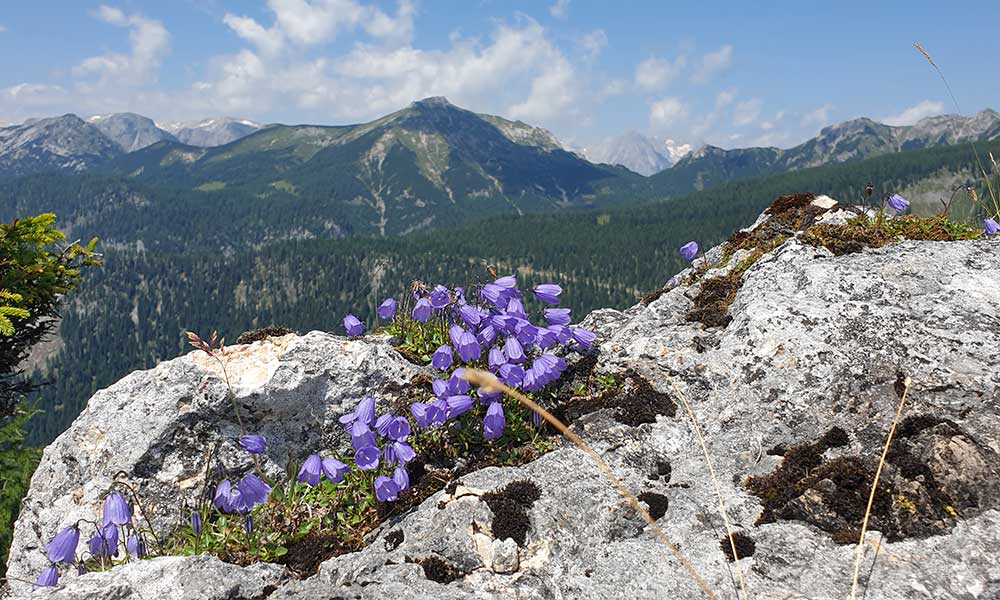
(429, 165)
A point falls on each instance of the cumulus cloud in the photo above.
(666, 112)
(819, 116)
(149, 42)
(921, 110)
(594, 43)
(676, 150)
(747, 112)
(655, 73)
(560, 9)
(724, 98)
(712, 64)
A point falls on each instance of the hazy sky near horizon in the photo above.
(732, 75)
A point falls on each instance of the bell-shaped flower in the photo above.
(49, 577)
(557, 316)
(221, 499)
(561, 332)
(253, 491)
(253, 443)
(468, 347)
(487, 333)
(196, 522)
(457, 384)
(135, 545)
(548, 292)
(494, 421)
(398, 429)
(397, 451)
(116, 510)
(494, 294)
(104, 542)
(512, 375)
(382, 424)
(897, 203)
(513, 349)
(470, 315)
(387, 309)
(367, 458)
(401, 478)
(526, 332)
(386, 489)
(334, 469)
(62, 548)
(442, 357)
(487, 396)
(496, 358)
(311, 470)
(364, 412)
(440, 297)
(546, 338)
(689, 250)
(361, 436)
(422, 310)
(353, 326)
(248, 523)
(508, 282)
(585, 338)
(516, 309)
(990, 227)
(458, 405)
(531, 381)
(440, 387)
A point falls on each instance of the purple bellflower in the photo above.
(990, 227)
(116, 510)
(311, 470)
(49, 577)
(196, 522)
(422, 310)
(334, 469)
(494, 421)
(104, 543)
(253, 443)
(442, 357)
(557, 316)
(387, 309)
(386, 489)
(689, 250)
(367, 458)
(897, 203)
(548, 292)
(353, 326)
(62, 548)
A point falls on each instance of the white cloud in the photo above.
(654, 73)
(676, 150)
(594, 43)
(747, 112)
(269, 41)
(149, 42)
(819, 116)
(666, 111)
(560, 9)
(724, 98)
(712, 64)
(921, 110)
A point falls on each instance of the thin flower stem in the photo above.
(871, 496)
(718, 488)
(145, 517)
(490, 383)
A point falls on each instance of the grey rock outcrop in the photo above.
(817, 344)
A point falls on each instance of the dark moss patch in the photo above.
(641, 403)
(439, 570)
(861, 232)
(658, 503)
(393, 539)
(510, 505)
(249, 337)
(711, 305)
(305, 555)
(789, 202)
(664, 470)
(264, 595)
(745, 546)
(926, 485)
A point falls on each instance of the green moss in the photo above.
(211, 186)
(861, 232)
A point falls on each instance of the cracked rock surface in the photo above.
(816, 342)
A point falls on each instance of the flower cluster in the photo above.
(242, 496)
(115, 524)
(492, 331)
(385, 447)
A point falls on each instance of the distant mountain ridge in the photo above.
(851, 140)
(631, 150)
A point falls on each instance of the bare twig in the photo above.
(490, 383)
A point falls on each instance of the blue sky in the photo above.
(691, 72)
